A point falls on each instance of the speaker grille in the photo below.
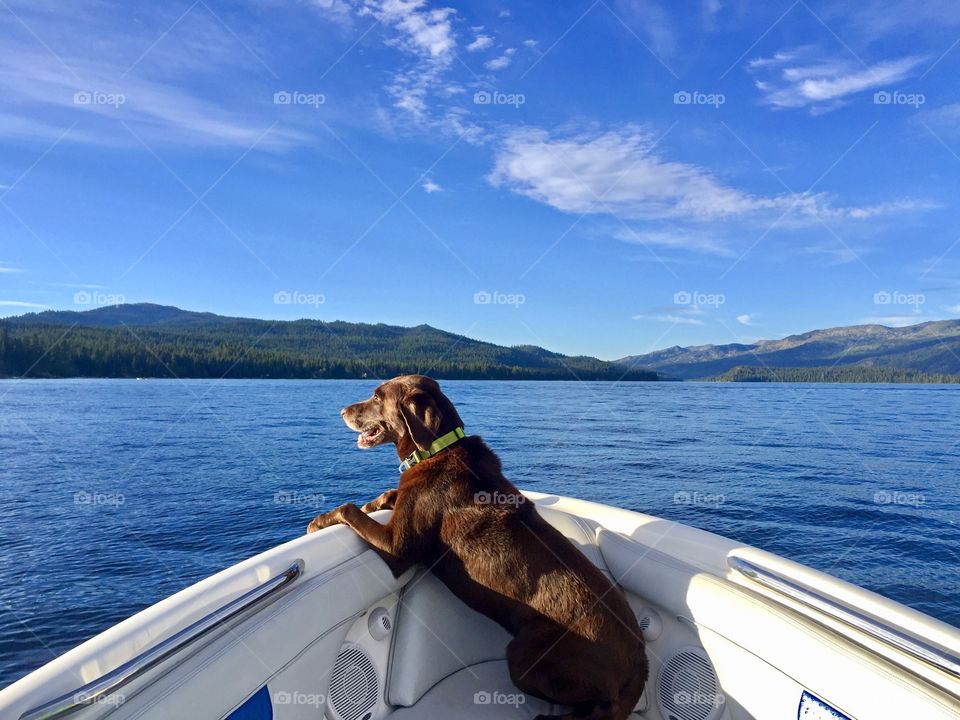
(688, 688)
(354, 684)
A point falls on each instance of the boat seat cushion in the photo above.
(437, 635)
(475, 692)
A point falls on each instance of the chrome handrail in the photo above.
(99, 690)
(897, 637)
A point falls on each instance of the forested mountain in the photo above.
(849, 374)
(146, 340)
(931, 347)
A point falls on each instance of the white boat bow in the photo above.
(319, 627)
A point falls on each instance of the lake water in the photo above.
(115, 494)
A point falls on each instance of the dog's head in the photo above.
(408, 411)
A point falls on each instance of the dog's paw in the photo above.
(319, 523)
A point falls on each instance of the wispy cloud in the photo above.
(796, 78)
(746, 319)
(430, 186)
(95, 83)
(421, 29)
(20, 304)
(8, 269)
(621, 172)
(953, 309)
(676, 239)
(668, 318)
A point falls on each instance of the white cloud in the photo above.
(531, 43)
(7, 269)
(667, 318)
(430, 186)
(745, 319)
(20, 304)
(619, 172)
(482, 42)
(953, 309)
(423, 30)
(796, 78)
(499, 63)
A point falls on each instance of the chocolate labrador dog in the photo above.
(575, 640)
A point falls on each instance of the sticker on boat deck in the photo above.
(813, 708)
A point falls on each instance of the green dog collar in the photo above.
(441, 443)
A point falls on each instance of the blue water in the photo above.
(114, 494)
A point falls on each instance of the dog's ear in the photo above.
(422, 418)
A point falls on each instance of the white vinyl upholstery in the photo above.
(433, 623)
(435, 636)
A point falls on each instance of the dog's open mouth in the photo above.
(369, 436)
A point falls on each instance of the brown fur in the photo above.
(575, 640)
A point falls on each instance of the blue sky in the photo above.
(605, 178)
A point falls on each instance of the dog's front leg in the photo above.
(379, 537)
(386, 501)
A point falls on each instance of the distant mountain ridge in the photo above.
(148, 340)
(930, 347)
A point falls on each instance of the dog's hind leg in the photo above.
(556, 666)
